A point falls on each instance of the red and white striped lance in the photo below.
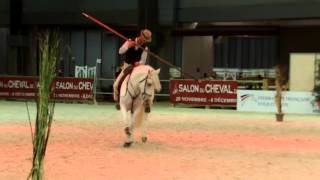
(125, 38)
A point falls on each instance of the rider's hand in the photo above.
(131, 43)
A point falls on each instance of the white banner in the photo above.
(91, 72)
(85, 72)
(81, 71)
(263, 101)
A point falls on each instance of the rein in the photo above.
(145, 85)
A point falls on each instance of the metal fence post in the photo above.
(95, 82)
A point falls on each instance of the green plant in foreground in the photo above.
(49, 44)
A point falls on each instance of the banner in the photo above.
(15, 87)
(85, 72)
(204, 92)
(81, 71)
(263, 101)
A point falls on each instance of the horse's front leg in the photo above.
(129, 139)
(128, 127)
(144, 123)
(147, 108)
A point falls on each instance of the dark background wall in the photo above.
(298, 39)
(280, 27)
(229, 10)
(125, 11)
(3, 49)
(4, 12)
(68, 12)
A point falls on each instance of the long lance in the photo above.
(126, 39)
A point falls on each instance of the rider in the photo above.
(133, 57)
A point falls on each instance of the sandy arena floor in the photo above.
(184, 144)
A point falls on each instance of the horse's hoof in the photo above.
(127, 131)
(144, 139)
(127, 144)
(147, 110)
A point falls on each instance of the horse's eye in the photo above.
(149, 84)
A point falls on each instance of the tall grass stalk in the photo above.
(49, 45)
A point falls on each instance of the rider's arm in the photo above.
(125, 46)
(144, 56)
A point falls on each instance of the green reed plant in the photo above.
(49, 45)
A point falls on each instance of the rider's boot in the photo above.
(116, 99)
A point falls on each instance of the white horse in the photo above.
(136, 96)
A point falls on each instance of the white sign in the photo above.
(81, 71)
(91, 72)
(85, 72)
(175, 73)
(263, 101)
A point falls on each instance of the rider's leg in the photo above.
(117, 83)
(127, 69)
(116, 90)
(115, 87)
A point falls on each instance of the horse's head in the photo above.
(144, 81)
(153, 79)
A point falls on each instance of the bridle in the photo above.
(136, 90)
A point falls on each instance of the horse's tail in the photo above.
(139, 117)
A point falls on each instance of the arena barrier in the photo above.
(264, 101)
(26, 87)
(204, 92)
